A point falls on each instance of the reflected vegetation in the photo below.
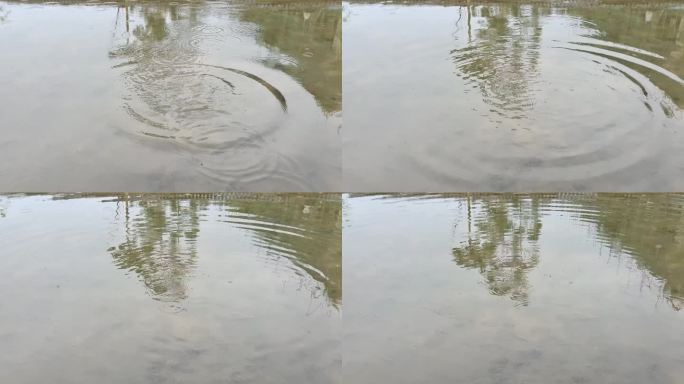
(518, 96)
(523, 288)
(658, 34)
(504, 45)
(306, 36)
(503, 233)
(3, 207)
(243, 95)
(161, 243)
(307, 232)
(4, 14)
(502, 243)
(211, 108)
(311, 35)
(210, 288)
(162, 231)
(650, 229)
(501, 58)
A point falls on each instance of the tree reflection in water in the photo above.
(161, 234)
(650, 230)
(307, 34)
(503, 47)
(311, 237)
(502, 243)
(503, 231)
(311, 34)
(3, 14)
(160, 243)
(501, 57)
(648, 27)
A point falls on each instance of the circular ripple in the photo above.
(605, 116)
(208, 29)
(222, 116)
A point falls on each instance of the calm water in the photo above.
(514, 289)
(170, 96)
(513, 96)
(170, 289)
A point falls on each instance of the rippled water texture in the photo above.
(165, 96)
(512, 96)
(168, 288)
(514, 289)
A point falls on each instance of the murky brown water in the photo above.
(514, 289)
(172, 289)
(170, 96)
(513, 96)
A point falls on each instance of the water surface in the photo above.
(514, 289)
(513, 96)
(170, 96)
(170, 288)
